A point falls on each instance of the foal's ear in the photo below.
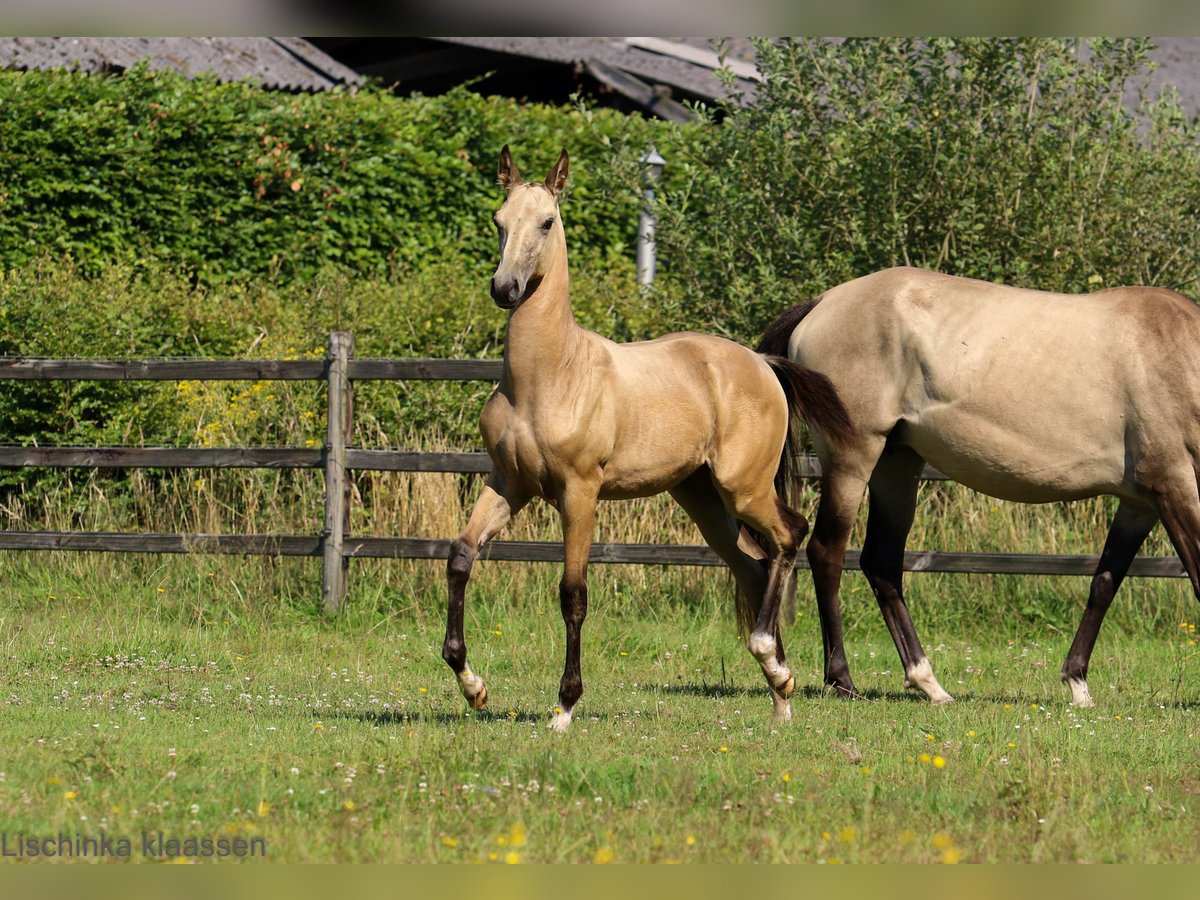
(507, 173)
(557, 179)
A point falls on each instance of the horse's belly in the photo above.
(1012, 465)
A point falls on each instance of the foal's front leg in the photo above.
(493, 510)
(578, 511)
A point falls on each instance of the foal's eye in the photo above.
(548, 224)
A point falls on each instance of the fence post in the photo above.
(337, 484)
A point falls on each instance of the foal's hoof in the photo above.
(479, 701)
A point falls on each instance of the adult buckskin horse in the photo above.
(577, 418)
(1023, 395)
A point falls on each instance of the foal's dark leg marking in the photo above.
(1126, 534)
(578, 512)
(701, 500)
(458, 572)
(892, 503)
(491, 513)
(766, 644)
(573, 600)
(780, 569)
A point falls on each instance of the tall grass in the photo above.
(436, 505)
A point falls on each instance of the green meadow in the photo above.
(210, 698)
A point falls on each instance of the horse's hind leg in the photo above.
(893, 500)
(1128, 531)
(492, 512)
(841, 495)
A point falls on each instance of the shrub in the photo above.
(1029, 161)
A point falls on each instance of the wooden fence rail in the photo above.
(333, 543)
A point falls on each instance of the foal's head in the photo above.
(525, 223)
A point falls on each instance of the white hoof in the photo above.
(921, 676)
(560, 721)
(473, 689)
(1080, 695)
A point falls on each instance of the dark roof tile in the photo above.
(274, 62)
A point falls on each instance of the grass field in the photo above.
(140, 698)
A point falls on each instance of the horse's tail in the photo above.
(778, 335)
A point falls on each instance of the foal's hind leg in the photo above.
(1128, 531)
(700, 499)
(893, 500)
(784, 529)
(492, 511)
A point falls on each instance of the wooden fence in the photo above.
(333, 541)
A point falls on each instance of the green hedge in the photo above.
(227, 180)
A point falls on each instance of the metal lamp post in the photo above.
(652, 167)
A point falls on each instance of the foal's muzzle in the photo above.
(508, 293)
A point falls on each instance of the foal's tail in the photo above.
(811, 396)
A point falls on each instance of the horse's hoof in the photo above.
(1080, 695)
(479, 701)
(941, 699)
(559, 722)
(845, 691)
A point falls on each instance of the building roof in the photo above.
(656, 75)
(282, 63)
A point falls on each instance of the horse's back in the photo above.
(1023, 394)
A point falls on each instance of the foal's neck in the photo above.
(542, 336)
